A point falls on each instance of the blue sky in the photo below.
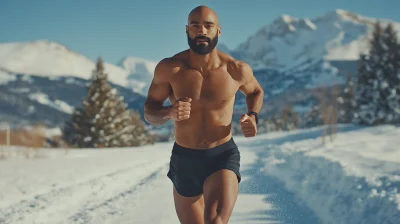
(155, 29)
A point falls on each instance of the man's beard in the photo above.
(202, 48)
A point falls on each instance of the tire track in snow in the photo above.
(58, 203)
(118, 204)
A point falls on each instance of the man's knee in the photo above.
(214, 216)
(214, 220)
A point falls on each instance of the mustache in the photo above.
(202, 38)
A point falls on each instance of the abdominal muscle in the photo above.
(205, 128)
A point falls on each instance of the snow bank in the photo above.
(6, 77)
(354, 179)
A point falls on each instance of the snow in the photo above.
(6, 77)
(52, 59)
(348, 51)
(288, 41)
(286, 18)
(56, 103)
(141, 73)
(139, 65)
(354, 179)
(308, 23)
(113, 186)
(328, 77)
(52, 132)
(287, 177)
(46, 58)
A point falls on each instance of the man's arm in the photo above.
(154, 111)
(250, 87)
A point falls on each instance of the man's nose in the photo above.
(202, 31)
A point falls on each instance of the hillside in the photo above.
(29, 100)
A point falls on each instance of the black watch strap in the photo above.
(255, 115)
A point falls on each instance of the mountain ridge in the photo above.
(289, 41)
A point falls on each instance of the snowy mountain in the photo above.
(298, 54)
(27, 99)
(140, 73)
(42, 81)
(51, 59)
(290, 41)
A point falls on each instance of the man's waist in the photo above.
(212, 151)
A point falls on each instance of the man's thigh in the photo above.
(190, 210)
(220, 193)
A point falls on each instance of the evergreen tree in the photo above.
(379, 80)
(103, 120)
(370, 79)
(313, 117)
(347, 104)
(390, 89)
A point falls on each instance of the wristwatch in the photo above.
(255, 115)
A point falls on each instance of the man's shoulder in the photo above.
(177, 59)
(169, 64)
(238, 67)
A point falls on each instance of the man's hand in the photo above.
(249, 126)
(180, 110)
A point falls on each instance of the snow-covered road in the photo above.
(122, 186)
(259, 202)
(287, 178)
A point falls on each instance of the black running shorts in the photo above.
(190, 167)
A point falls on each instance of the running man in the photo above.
(201, 84)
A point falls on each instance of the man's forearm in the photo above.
(156, 113)
(255, 101)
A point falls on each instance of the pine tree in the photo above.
(390, 89)
(379, 80)
(347, 104)
(103, 120)
(369, 81)
(313, 117)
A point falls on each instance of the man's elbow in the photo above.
(259, 91)
(146, 115)
(148, 119)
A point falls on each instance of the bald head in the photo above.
(203, 30)
(202, 14)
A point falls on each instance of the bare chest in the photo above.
(210, 89)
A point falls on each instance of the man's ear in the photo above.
(187, 29)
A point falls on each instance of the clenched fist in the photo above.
(248, 125)
(180, 110)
